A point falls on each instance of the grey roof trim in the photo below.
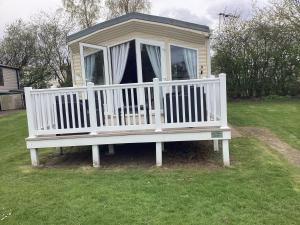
(11, 92)
(9, 67)
(139, 16)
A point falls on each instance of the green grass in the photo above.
(280, 116)
(260, 188)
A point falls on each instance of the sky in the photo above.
(198, 11)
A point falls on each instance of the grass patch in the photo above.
(260, 188)
(281, 116)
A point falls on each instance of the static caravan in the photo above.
(11, 96)
(137, 78)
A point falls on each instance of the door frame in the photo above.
(105, 58)
(138, 42)
(162, 45)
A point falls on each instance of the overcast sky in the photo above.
(198, 11)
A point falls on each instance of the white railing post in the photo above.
(157, 104)
(31, 130)
(223, 99)
(92, 107)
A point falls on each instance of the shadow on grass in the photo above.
(176, 154)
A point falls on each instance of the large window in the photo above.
(183, 63)
(1, 77)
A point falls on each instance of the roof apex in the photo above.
(138, 16)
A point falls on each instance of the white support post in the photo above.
(216, 145)
(27, 91)
(225, 149)
(96, 156)
(111, 150)
(159, 153)
(92, 107)
(223, 99)
(157, 104)
(34, 157)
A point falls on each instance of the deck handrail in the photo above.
(154, 105)
(223, 99)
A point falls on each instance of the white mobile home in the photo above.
(136, 78)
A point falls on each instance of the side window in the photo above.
(94, 63)
(94, 68)
(183, 63)
(1, 77)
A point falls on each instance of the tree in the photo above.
(19, 48)
(85, 12)
(18, 45)
(120, 7)
(288, 11)
(39, 49)
(260, 55)
(52, 31)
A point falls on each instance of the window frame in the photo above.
(182, 46)
(1, 77)
(105, 58)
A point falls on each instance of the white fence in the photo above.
(155, 105)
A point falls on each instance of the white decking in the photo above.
(158, 112)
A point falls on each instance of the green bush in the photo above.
(260, 55)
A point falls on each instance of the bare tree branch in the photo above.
(120, 7)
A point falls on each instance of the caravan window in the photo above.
(183, 63)
(94, 61)
(94, 67)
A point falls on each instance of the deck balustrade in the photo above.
(156, 105)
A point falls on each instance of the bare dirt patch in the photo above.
(270, 139)
(176, 154)
(235, 133)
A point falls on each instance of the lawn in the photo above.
(280, 116)
(260, 188)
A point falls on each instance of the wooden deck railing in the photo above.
(155, 105)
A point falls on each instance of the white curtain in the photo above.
(89, 64)
(119, 55)
(190, 59)
(155, 59)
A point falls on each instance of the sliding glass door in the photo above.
(150, 57)
(150, 64)
(94, 64)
